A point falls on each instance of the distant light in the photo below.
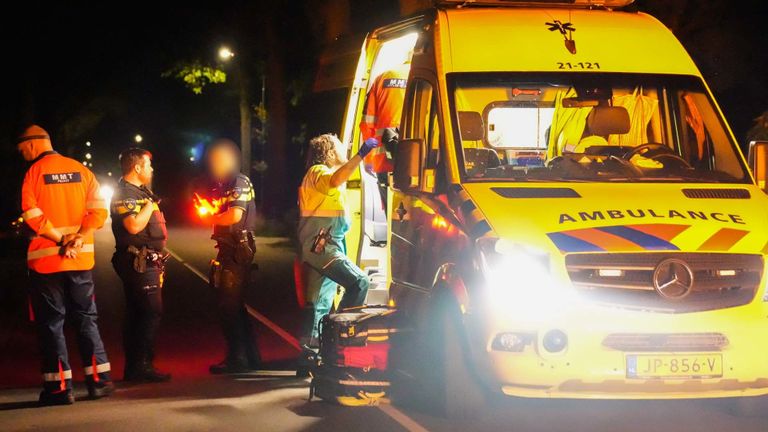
(109, 173)
(138, 138)
(87, 143)
(85, 163)
(90, 164)
(191, 158)
(87, 155)
(225, 53)
(107, 192)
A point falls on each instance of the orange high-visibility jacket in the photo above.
(383, 108)
(61, 193)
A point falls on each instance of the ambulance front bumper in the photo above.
(614, 354)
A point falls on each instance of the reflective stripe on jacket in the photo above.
(383, 108)
(60, 193)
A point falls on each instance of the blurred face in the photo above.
(26, 151)
(144, 170)
(340, 150)
(222, 162)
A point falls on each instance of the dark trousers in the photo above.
(229, 279)
(144, 308)
(53, 295)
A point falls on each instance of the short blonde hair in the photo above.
(321, 148)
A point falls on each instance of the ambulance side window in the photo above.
(422, 122)
(418, 114)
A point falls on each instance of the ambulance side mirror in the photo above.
(409, 160)
(758, 162)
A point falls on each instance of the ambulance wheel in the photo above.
(755, 406)
(462, 396)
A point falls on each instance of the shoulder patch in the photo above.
(129, 204)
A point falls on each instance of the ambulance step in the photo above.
(378, 295)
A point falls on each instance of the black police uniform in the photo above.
(230, 273)
(139, 260)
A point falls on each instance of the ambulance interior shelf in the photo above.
(601, 127)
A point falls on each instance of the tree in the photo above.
(196, 75)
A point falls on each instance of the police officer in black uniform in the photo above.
(233, 230)
(139, 260)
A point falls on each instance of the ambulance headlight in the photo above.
(515, 274)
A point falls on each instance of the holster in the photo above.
(214, 277)
(245, 247)
(144, 257)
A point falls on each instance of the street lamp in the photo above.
(87, 155)
(138, 138)
(225, 53)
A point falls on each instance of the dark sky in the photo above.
(93, 72)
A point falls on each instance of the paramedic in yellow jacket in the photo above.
(322, 226)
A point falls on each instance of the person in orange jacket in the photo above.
(383, 109)
(61, 203)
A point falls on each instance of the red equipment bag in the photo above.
(358, 338)
(354, 356)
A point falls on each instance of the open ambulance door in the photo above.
(384, 49)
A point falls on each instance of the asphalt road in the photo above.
(272, 399)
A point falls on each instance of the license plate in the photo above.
(674, 366)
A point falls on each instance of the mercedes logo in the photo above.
(673, 279)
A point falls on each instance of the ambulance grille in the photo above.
(626, 280)
(717, 193)
(666, 342)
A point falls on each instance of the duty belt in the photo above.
(145, 256)
(234, 238)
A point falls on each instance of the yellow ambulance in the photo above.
(569, 214)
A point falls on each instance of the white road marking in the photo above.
(197, 272)
(402, 419)
(395, 414)
(292, 341)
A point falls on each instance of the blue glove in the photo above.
(367, 147)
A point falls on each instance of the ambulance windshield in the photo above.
(591, 127)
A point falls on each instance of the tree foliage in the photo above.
(759, 130)
(196, 75)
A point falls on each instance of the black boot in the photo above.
(146, 374)
(230, 366)
(152, 375)
(98, 390)
(248, 342)
(131, 373)
(62, 398)
(254, 357)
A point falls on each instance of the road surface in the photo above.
(272, 399)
